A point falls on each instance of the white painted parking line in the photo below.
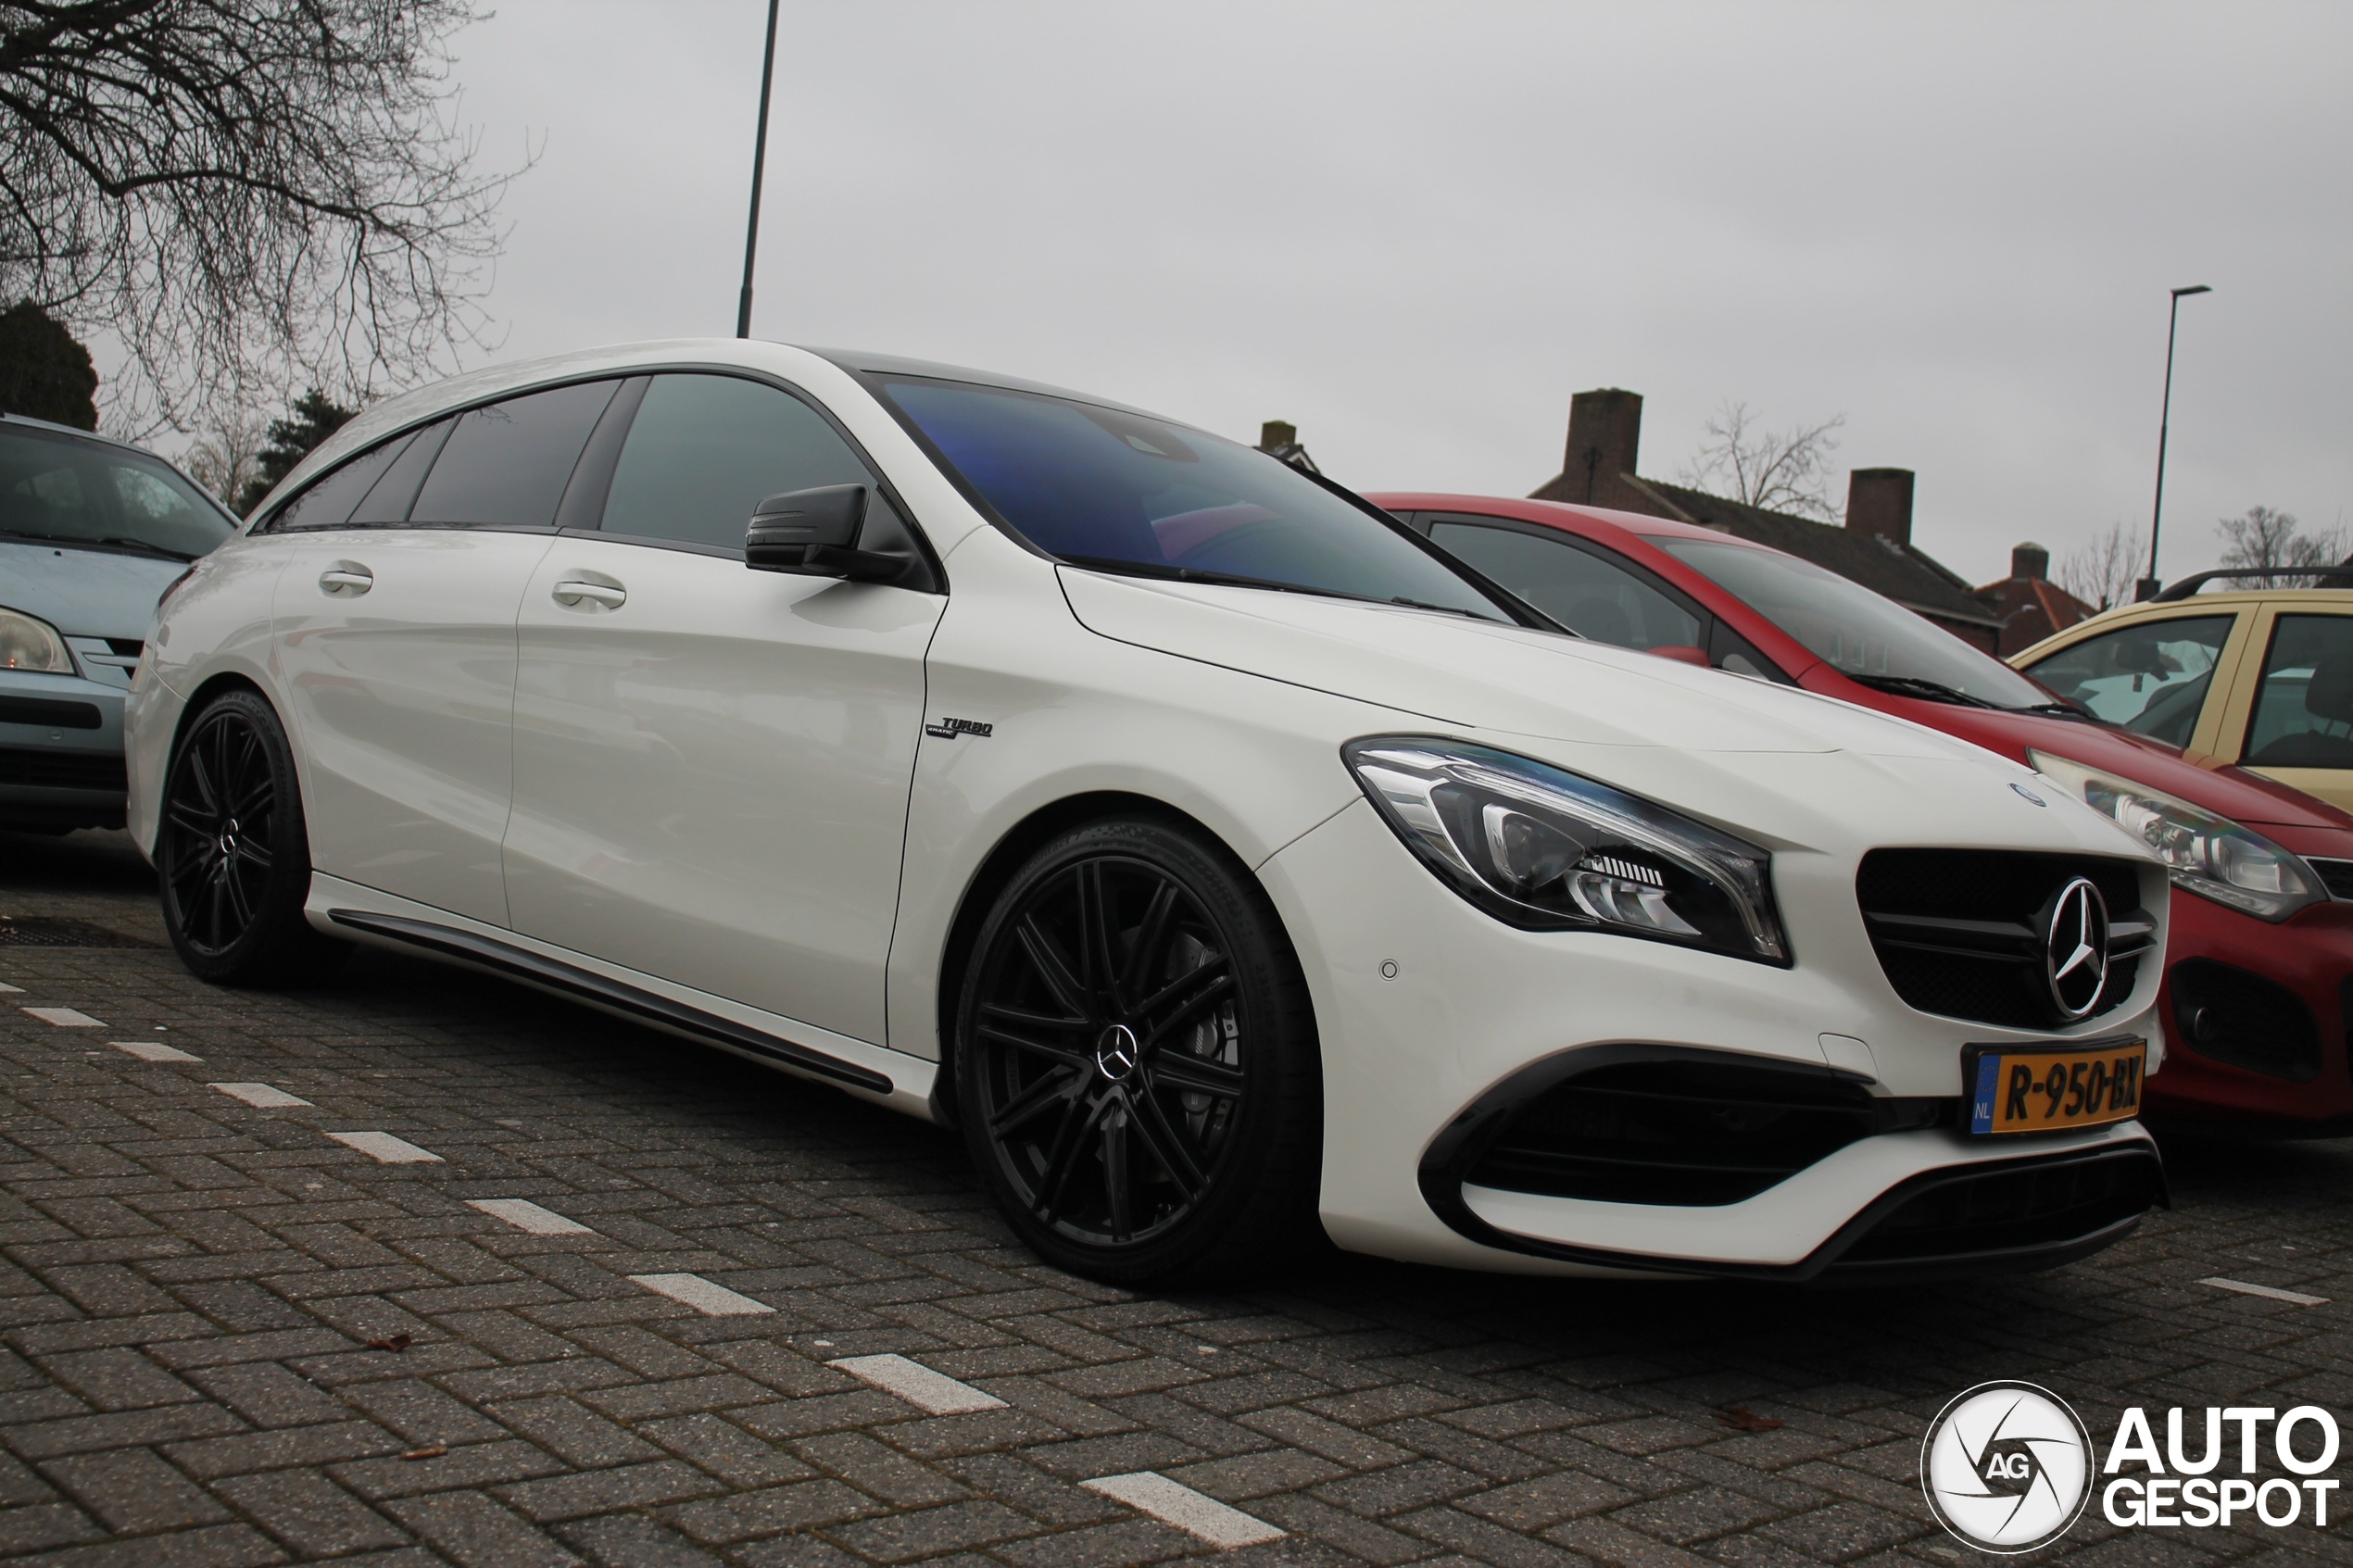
(712, 1301)
(261, 1097)
(383, 1146)
(153, 1050)
(1173, 1503)
(65, 1018)
(8, 990)
(525, 1215)
(2269, 1293)
(934, 1392)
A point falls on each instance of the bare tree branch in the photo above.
(1781, 470)
(243, 193)
(224, 460)
(2267, 538)
(2103, 572)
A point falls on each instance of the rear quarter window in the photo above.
(505, 465)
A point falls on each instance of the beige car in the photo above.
(2259, 677)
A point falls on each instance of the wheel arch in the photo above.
(202, 697)
(214, 685)
(997, 868)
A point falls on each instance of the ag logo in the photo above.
(2007, 1467)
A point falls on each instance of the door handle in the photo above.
(346, 577)
(571, 590)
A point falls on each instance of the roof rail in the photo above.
(2192, 584)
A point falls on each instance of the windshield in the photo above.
(1125, 493)
(2150, 677)
(1861, 634)
(58, 489)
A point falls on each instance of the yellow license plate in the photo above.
(2045, 1089)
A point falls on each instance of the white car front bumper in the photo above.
(1429, 1009)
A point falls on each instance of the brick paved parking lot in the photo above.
(267, 1297)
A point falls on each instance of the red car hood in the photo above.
(2234, 792)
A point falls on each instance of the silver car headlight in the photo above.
(29, 643)
(2205, 854)
(1545, 849)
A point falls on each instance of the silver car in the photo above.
(92, 533)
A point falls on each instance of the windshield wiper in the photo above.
(1913, 685)
(1442, 609)
(2066, 711)
(1192, 574)
(119, 541)
(127, 543)
(1233, 580)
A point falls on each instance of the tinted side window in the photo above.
(2150, 677)
(387, 499)
(705, 450)
(331, 502)
(1575, 587)
(505, 466)
(2304, 708)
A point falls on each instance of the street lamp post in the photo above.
(759, 164)
(2147, 586)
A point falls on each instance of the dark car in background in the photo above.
(92, 533)
(2259, 991)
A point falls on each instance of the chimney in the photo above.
(1605, 433)
(2029, 561)
(1879, 501)
(1276, 434)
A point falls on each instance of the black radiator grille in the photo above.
(2335, 876)
(25, 767)
(2001, 1208)
(1961, 932)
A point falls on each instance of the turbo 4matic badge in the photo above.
(949, 729)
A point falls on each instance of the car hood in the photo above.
(2234, 793)
(1484, 675)
(85, 593)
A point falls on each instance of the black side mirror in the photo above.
(814, 534)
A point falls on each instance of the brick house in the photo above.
(1874, 548)
(2031, 606)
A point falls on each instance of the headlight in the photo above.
(2207, 855)
(1546, 850)
(26, 642)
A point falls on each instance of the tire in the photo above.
(233, 855)
(1136, 1060)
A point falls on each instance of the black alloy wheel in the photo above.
(1136, 1064)
(232, 851)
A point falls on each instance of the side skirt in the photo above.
(611, 995)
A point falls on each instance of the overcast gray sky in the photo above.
(1416, 229)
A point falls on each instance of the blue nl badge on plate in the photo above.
(1981, 1111)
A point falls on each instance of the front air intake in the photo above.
(1680, 1127)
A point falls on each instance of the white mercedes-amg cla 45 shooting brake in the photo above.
(1223, 862)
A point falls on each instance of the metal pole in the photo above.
(759, 163)
(2147, 586)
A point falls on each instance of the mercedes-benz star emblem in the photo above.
(2075, 949)
(2007, 1467)
(1115, 1053)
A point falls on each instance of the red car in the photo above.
(2259, 990)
